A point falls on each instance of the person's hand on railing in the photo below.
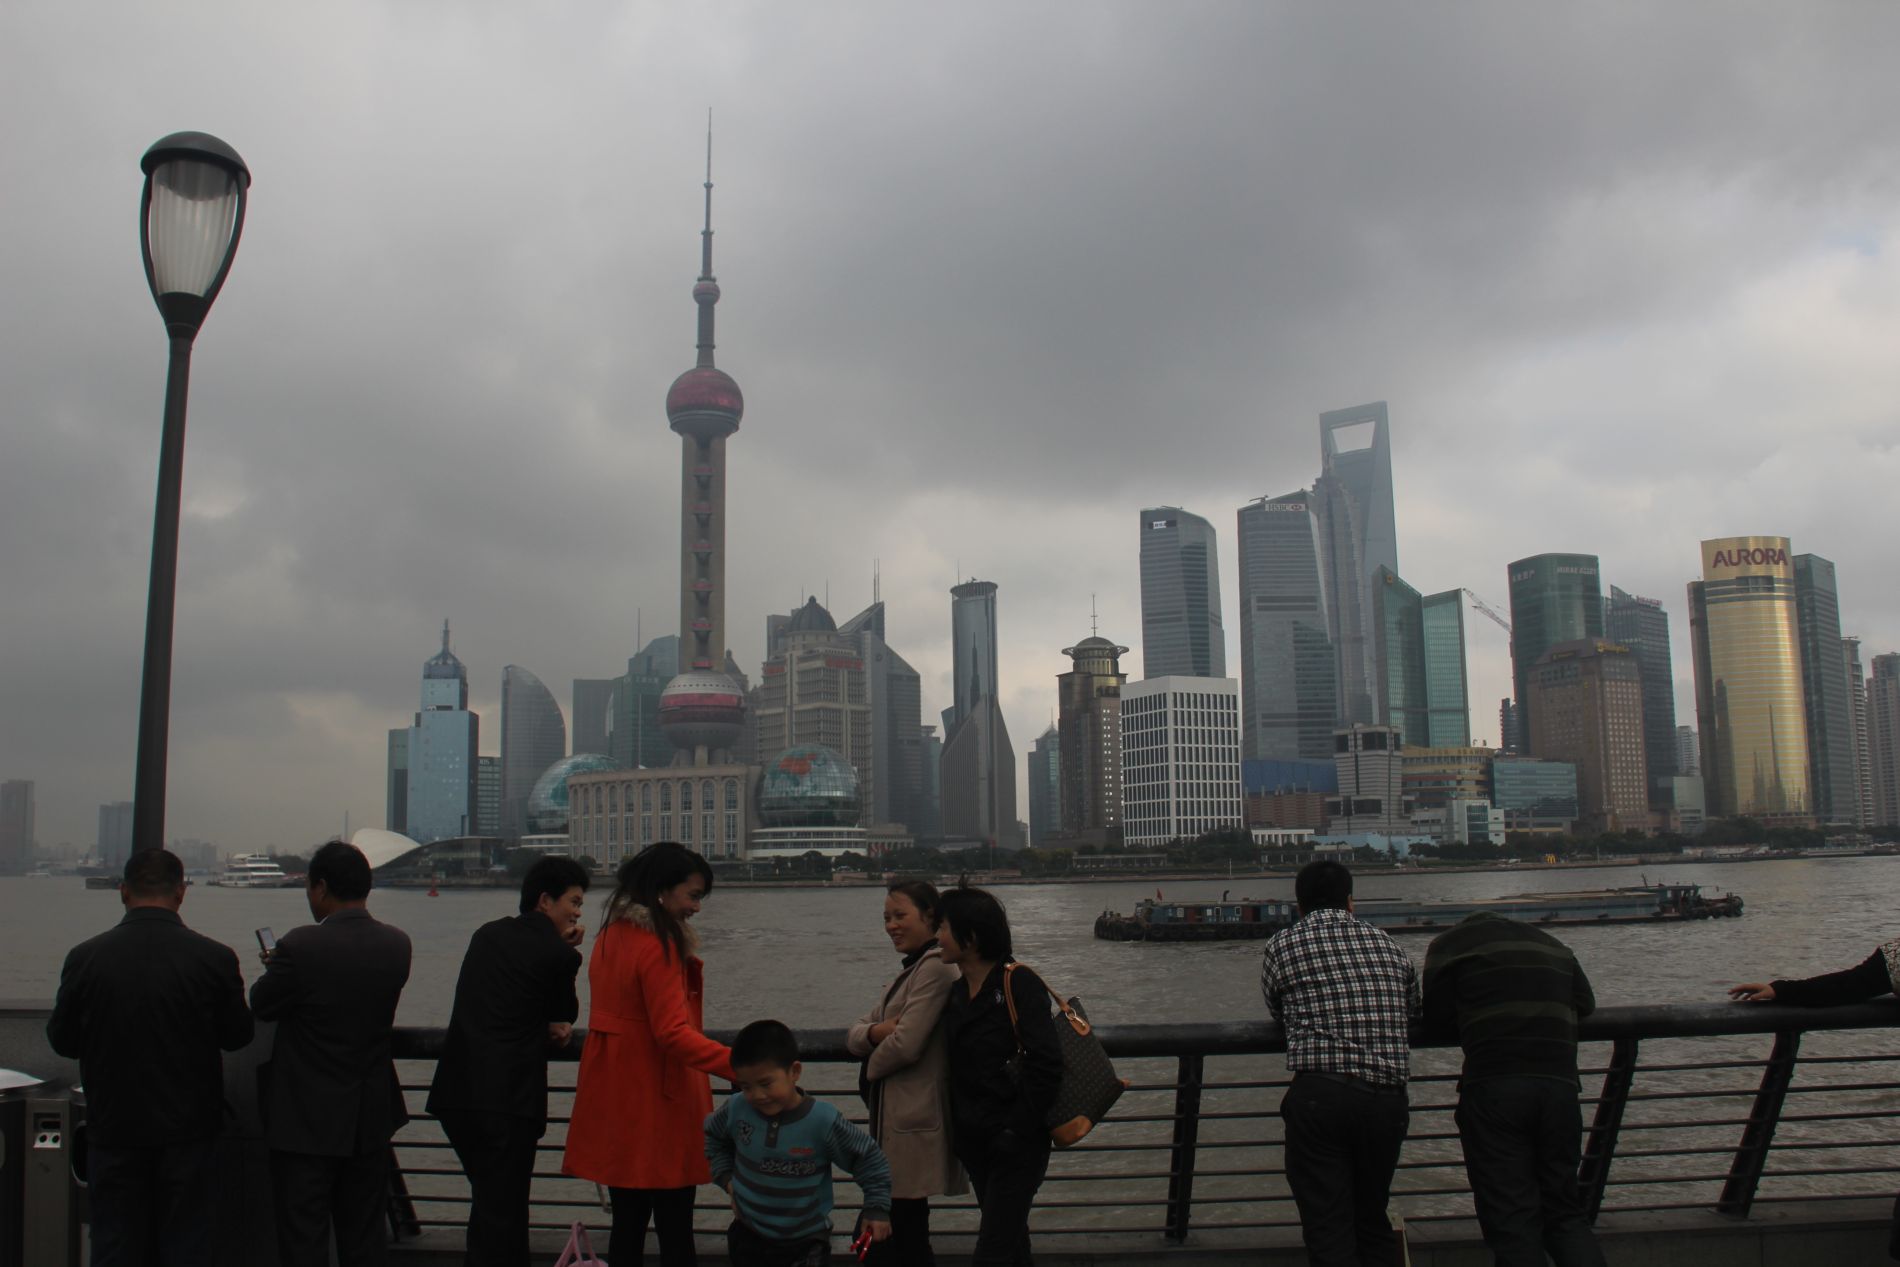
(1752, 992)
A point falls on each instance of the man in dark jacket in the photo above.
(1513, 993)
(513, 1002)
(146, 1007)
(330, 1096)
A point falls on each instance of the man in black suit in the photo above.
(146, 1007)
(330, 1095)
(513, 1002)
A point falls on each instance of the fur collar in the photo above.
(641, 916)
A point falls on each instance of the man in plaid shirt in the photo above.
(1346, 994)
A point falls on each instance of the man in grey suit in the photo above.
(330, 1096)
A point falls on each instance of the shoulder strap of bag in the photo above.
(1076, 1020)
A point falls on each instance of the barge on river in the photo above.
(1246, 918)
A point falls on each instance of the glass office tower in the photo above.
(1447, 699)
(1833, 772)
(1554, 598)
(1398, 642)
(1181, 631)
(1352, 501)
(1642, 625)
(533, 737)
(1744, 632)
(1287, 668)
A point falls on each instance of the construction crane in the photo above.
(1486, 608)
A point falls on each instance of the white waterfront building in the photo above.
(1180, 758)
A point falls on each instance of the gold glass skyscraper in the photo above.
(1749, 710)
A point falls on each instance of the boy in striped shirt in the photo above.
(772, 1148)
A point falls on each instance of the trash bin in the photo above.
(49, 1195)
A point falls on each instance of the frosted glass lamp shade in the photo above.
(195, 188)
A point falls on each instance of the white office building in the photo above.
(1180, 758)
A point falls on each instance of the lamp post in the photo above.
(190, 218)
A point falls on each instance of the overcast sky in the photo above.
(996, 277)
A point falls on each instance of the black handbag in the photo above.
(1089, 1087)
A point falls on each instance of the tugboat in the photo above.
(1249, 918)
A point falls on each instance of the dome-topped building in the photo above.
(548, 802)
(808, 802)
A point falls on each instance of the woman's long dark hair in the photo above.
(646, 875)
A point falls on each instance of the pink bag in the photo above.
(579, 1253)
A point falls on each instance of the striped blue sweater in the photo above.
(779, 1169)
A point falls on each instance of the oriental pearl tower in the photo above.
(702, 710)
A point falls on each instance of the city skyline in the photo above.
(480, 434)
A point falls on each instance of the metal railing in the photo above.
(1684, 1110)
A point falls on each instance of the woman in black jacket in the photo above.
(1877, 974)
(1003, 1076)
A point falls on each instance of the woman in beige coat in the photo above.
(905, 1082)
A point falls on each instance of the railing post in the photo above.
(1593, 1172)
(402, 1208)
(1187, 1133)
(1751, 1155)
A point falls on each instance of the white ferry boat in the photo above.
(252, 871)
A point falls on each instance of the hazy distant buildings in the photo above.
(1554, 598)
(1287, 794)
(978, 771)
(814, 688)
(1642, 625)
(1535, 795)
(634, 738)
(1510, 728)
(1833, 772)
(1181, 633)
(396, 782)
(592, 711)
(1744, 632)
(1883, 738)
(1089, 700)
(115, 835)
(16, 826)
(443, 743)
(1370, 764)
(1688, 751)
(1352, 500)
(1586, 700)
(1863, 753)
(895, 794)
(533, 737)
(1289, 675)
(1434, 778)
(487, 797)
(1398, 657)
(930, 746)
(1045, 787)
(1180, 759)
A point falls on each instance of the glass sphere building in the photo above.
(809, 786)
(548, 804)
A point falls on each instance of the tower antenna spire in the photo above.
(706, 291)
(1094, 623)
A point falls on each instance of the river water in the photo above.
(818, 957)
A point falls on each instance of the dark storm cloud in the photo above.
(995, 278)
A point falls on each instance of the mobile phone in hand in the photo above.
(266, 940)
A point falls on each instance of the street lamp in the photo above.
(190, 219)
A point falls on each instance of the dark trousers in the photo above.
(1005, 1180)
(909, 1241)
(497, 1155)
(314, 1193)
(746, 1248)
(670, 1210)
(152, 1207)
(1522, 1139)
(1342, 1145)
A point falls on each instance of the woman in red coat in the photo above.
(642, 1098)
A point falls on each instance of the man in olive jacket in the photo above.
(1512, 994)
